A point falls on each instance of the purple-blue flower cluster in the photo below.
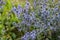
(1, 3)
(17, 10)
(42, 18)
(29, 35)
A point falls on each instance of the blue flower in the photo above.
(33, 15)
(2, 2)
(56, 9)
(34, 4)
(44, 5)
(14, 9)
(19, 9)
(1, 7)
(46, 0)
(26, 36)
(27, 6)
(33, 34)
(48, 23)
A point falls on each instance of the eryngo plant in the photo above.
(17, 10)
(29, 35)
(42, 21)
(47, 19)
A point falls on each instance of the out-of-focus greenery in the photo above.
(7, 17)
